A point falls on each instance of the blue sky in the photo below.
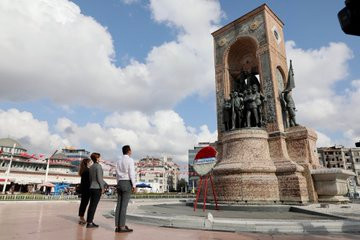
(311, 24)
(131, 31)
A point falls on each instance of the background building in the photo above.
(193, 177)
(162, 174)
(27, 171)
(340, 157)
(75, 155)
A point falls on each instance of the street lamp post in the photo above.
(9, 167)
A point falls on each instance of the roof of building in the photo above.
(9, 142)
(59, 156)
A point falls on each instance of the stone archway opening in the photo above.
(241, 58)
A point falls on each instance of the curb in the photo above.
(316, 213)
(257, 226)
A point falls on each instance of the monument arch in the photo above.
(240, 56)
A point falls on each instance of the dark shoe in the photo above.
(129, 229)
(91, 225)
(126, 229)
(81, 222)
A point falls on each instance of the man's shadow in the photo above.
(76, 221)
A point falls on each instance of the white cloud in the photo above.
(323, 140)
(162, 133)
(165, 134)
(31, 133)
(192, 16)
(130, 1)
(58, 53)
(320, 105)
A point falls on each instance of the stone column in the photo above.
(301, 146)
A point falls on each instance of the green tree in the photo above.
(182, 185)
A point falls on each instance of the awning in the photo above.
(143, 185)
(48, 184)
(27, 182)
(10, 180)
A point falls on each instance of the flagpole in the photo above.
(47, 167)
(9, 167)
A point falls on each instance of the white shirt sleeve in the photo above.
(132, 172)
(118, 172)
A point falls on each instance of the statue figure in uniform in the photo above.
(260, 99)
(227, 114)
(233, 97)
(287, 102)
(251, 108)
(290, 108)
(238, 108)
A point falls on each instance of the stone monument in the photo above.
(264, 155)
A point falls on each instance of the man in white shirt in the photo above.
(125, 176)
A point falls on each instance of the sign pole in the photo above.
(205, 194)
(214, 193)
(198, 193)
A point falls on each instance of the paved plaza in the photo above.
(58, 220)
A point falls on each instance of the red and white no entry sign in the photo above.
(205, 160)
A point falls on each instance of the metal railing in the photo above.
(36, 197)
(153, 196)
(144, 196)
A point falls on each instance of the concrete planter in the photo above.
(331, 184)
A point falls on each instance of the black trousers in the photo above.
(85, 197)
(95, 195)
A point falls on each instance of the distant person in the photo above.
(84, 189)
(97, 187)
(125, 176)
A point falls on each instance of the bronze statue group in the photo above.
(245, 108)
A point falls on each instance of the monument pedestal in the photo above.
(245, 172)
(301, 146)
(331, 184)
